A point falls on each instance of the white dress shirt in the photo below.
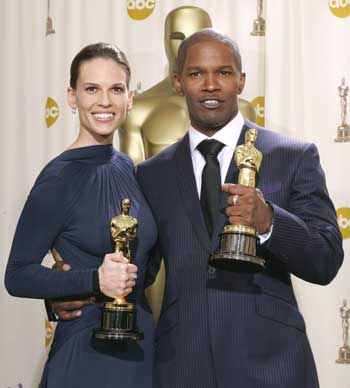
(227, 135)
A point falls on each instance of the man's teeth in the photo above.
(103, 116)
(211, 102)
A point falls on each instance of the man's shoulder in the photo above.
(270, 138)
(163, 156)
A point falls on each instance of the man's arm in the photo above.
(71, 309)
(305, 239)
(66, 310)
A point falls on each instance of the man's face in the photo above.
(210, 82)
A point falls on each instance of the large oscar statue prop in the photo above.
(118, 321)
(237, 250)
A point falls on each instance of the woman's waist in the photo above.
(89, 320)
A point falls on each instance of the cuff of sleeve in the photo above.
(96, 284)
(51, 315)
(265, 236)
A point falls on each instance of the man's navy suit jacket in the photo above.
(219, 329)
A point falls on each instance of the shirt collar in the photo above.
(228, 135)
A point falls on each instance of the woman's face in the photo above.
(101, 98)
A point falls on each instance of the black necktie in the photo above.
(211, 182)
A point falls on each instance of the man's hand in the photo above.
(67, 310)
(247, 206)
(116, 275)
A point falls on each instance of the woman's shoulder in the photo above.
(58, 174)
(54, 171)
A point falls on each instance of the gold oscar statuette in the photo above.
(259, 22)
(118, 320)
(343, 131)
(344, 350)
(237, 250)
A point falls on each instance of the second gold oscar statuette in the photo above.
(118, 320)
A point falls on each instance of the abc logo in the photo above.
(140, 9)
(259, 106)
(343, 215)
(51, 112)
(340, 8)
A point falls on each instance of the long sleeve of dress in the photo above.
(42, 220)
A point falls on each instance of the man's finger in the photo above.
(226, 187)
(233, 189)
(56, 255)
(60, 266)
(69, 315)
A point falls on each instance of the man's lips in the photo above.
(210, 102)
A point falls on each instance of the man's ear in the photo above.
(71, 98)
(241, 83)
(177, 83)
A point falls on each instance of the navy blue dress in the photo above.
(69, 208)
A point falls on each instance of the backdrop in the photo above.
(296, 69)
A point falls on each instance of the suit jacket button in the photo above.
(211, 270)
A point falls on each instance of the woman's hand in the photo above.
(116, 275)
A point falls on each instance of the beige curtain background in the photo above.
(307, 55)
(297, 67)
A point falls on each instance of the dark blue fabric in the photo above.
(69, 208)
(223, 330)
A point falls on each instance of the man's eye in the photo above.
(225, 72)
(91, 89)
(195, 74)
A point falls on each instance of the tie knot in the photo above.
(210, 148)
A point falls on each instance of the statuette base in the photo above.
(344, 355)
(343, 134)
(237, 252)
(118, 322)
(258, 27)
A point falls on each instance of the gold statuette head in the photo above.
(123, 229)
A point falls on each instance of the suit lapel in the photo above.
(188, 191)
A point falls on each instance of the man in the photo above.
(159, 116)
(222, 329)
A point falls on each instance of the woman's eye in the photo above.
(91, 89)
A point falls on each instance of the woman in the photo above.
(69, 210)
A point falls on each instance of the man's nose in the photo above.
(210, 82)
